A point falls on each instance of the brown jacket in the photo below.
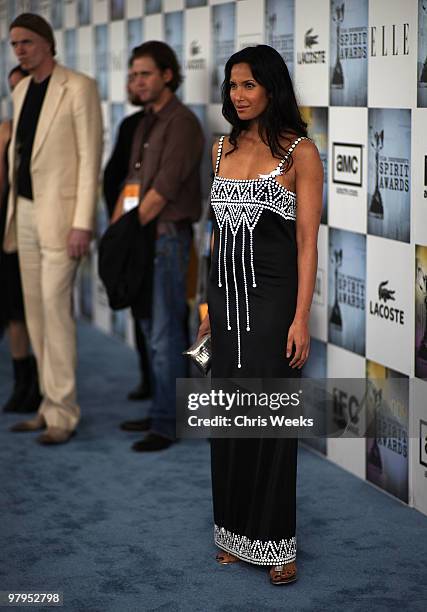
(171, 159)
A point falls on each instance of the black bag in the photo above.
(125, 263)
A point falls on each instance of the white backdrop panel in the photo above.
(312, 52)
(418, 446)
(392, 73)
(390, 303)
(349, 453)
(348, 130)
(197, 53)
(419, 176)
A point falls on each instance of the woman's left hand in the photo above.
(299, 337)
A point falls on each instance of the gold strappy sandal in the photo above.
(225, 558)
(283, 574)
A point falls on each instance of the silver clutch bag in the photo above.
(200, 353)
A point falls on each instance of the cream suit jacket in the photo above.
(65, 160)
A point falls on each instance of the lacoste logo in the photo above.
(195, 47)
(384, 293)
(310, 39)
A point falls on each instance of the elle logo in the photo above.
(390, 40)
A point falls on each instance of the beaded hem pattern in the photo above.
(258, 552)
(238, 205)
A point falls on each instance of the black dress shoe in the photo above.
(152, 442)
(141, 392)
(141, 425)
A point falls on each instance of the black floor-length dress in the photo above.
(12, 301)
(252, 299)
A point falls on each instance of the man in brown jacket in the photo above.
(164, 182)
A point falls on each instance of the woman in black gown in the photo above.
(25, 396)
(264, 261)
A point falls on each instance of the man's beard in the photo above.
(135, 100)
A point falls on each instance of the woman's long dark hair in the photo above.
(282, 115)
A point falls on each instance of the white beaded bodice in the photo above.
(238, 205)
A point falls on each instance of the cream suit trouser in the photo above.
(47, 281)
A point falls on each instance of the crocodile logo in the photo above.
(384, 293)
(310, 39)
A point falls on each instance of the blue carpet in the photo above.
(119, 531)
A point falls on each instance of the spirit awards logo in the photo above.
(349, 291)
(337, 81)
(351, 43)
(271, 23)
(422, 283)
(336, 318)
(390, 431)
(391, 434)
(390, 40)
(223, 48)
(315, 56)
(347, 164)
(196, 63)
(277, 34)
(423, 443)
(376, 208)
(382, 309)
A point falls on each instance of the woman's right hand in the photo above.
(205, 328)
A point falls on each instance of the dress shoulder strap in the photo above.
(289, 152)
(218, 156)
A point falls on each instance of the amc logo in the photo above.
(347, 164)
(423, 443)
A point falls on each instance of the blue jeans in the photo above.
(166, 331)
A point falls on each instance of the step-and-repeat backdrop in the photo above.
(360, 73)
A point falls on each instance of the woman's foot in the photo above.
(283, 574)
(225, 558)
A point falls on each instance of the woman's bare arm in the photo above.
(309, 188)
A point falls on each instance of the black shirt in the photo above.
(25, 133)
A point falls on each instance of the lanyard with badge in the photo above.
(132, 187)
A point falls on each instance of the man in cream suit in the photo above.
(54, 161)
